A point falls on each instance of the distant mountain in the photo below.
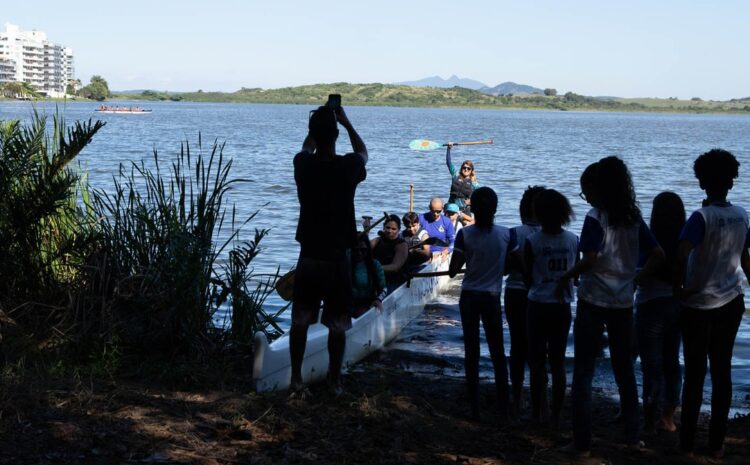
(510, 88)
(453, 81)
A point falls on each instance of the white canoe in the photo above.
(370, 332)
(125, 112)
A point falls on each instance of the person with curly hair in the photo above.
(516, 302)
(713, 245)
(549, 253)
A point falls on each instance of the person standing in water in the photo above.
(326, 184)
(484, 248)
(713, 245)
(463, 182)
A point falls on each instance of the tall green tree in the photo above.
(97, 89)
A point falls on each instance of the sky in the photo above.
(684, 49)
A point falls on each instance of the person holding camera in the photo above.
(326, 184)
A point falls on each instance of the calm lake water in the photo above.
(531, 147)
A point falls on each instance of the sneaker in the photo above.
(637, 446)
(298, 390)
(334, 386)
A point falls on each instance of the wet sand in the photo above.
(388, 414)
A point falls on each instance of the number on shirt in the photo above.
(557, 264)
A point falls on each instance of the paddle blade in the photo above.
(436, 241)
(422, 145)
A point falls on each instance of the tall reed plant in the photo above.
(161, 251)
(44, 235)
(139, 270)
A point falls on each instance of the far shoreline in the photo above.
(654, 110)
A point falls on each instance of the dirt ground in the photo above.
(387, 415)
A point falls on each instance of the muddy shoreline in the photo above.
(388, 414)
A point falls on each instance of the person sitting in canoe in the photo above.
(368, 278)
(415, 236)
(391, 251)
(463, 182)
(439, 226)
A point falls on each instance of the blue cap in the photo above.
(451, 208)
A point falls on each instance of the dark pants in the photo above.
(548, 325)
(657, 326)
(587, 332)
(474, 306)
(515, 313)
(708, 335)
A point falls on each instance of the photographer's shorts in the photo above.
(327, 282)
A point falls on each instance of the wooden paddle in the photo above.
(423, 145)
(285, 284)
(432, 274)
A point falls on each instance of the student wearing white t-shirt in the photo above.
(515, 301)
(613, 237)
(713, 247)
(548, 254)
(484, 247)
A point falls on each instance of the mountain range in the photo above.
(504, 88)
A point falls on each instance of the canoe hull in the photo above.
(369, 333)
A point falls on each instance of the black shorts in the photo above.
(329, 282)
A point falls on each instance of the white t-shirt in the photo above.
(554, 254)
(485, 251)
(609, 283)
(515, 278)
(719, 233)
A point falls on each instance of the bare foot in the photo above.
(666, 424)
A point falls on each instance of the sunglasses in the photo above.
(466, 168)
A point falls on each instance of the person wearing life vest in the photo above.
(463, 182)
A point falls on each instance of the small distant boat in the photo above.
(123, 111)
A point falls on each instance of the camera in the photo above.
(334, 101)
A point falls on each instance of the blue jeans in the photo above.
(549, 325)
(587, 332)
(658, 330)
(708, 335)
(475, 305)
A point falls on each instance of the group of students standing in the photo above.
(682, 277)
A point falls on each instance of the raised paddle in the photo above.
(424, 145)
(285, 284)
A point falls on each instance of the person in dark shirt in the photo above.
(326, 184)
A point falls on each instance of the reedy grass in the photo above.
(126, 276)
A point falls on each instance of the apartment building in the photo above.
(27, 56)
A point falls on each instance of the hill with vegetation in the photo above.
(376, 94)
